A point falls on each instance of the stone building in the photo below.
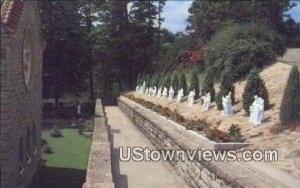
(21, 100)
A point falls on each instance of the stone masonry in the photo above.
(21, 100)
(164, 135)
(99, 171)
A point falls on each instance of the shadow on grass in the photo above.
(51, 177)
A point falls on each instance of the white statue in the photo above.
(154, 91)
(206, 102)
(180, 95)
(143, 88)
(165, 93)
(146, 92)
(227, 105)
(171, 93)
(159, 92)
(150, 91)
(191, 98)
(257, 110)
(137, 88)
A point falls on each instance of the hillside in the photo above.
(287, 142)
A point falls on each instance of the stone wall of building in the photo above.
(99, 172)
(165, 136)
(21, 101)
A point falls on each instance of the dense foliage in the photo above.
(243, 47)
(290, 104)
(208, 84)
(208, 17)
(255, 86)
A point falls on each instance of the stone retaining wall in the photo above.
(99, 172)
(164, 135)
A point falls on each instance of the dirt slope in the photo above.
(286, 142)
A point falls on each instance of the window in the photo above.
(27, 57)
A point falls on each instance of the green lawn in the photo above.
(66, 167)
(70, 151)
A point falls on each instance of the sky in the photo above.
(176, 12)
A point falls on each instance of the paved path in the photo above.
(136, 174)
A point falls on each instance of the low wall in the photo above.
(99, 172)
(165, 135)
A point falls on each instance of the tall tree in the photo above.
(255, 86)
(290, 104)
(208, 16)
(64, 67)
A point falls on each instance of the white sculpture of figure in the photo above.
(257, 110)
(191, 98)
(150, 91)
(154, 91)
(180, 95)
(227, 105)
(171, 93)
(206, 102)
(146, 91)
(143, 88)
(159, 92)
(137, 88)
(165, 93)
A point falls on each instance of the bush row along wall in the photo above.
(163, 134)
(99, 171)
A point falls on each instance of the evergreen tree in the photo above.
(138, 82)
(289, 109)
(182, 83)
(255, 86)
(207, 16)
(175, 84)
(154, 80)
(167, 81)
(225, 87)
(208, 85)
(195, 84)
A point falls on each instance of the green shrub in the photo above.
(55, 132)
(243, 47)
(226, 86)
(139, 79)
(44, 142)
(235, 133)
(195, 84)
(175, 83)
(48, 150)
(88, 125)
(167, 81)
(156, 81)
(182, 83)
(290, 104)
(211, 135)
(208, 85)
(255, 86)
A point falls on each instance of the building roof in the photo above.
(11, 11)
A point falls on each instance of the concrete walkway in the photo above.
(136, 174)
